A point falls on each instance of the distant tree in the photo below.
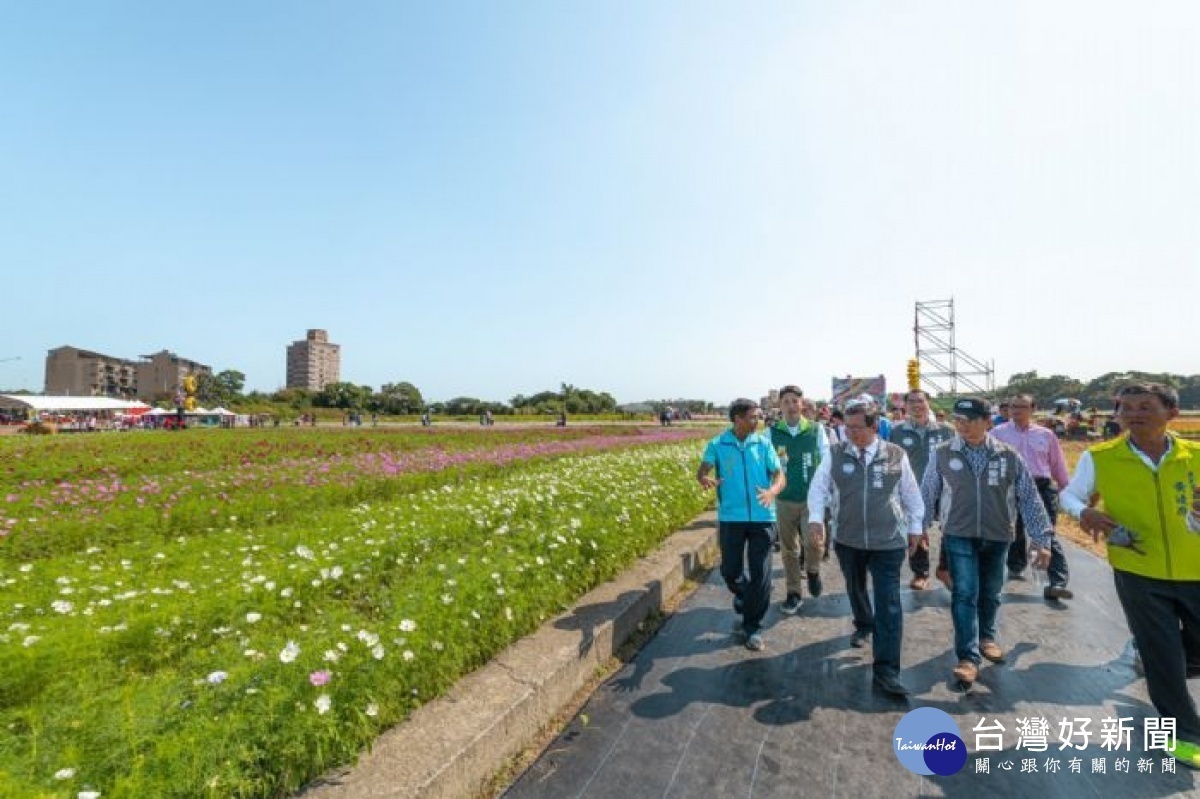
(398, 398)
(346, 396)
(223, 388)
(296, 398)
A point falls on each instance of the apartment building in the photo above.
(313, 362)
(162, 373)
(74, 372)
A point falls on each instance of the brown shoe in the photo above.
(992, 651)
(944, 576)
(919, 583)
(966, 672)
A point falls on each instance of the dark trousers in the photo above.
(1018, 551)
(1164, 617)
(746, 567)
(885, 621)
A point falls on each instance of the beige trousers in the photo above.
(792, 518)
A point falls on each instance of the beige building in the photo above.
(313, 363)
(163, 372)
(73, 372)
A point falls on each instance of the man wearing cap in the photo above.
(1044, 457)
(1148, 482)
(978, 481)
(748, 478)
(876, 516)
(801, 445)
(918, 435)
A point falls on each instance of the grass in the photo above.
(237, 658)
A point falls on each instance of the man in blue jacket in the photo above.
(748, 478)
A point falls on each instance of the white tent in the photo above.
(222, 411)
(43, 404)
(158, 412)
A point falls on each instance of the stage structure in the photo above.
(943, 367)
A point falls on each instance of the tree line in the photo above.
(399, 399)
(1097, 393)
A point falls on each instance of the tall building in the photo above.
(313, 363)
(163, 372)
(73, 372)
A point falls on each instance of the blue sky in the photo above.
(657, 199)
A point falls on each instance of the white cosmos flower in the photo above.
(377, 651)
(217, 677)
(323, 703)
(62, 606)
(407, 625)
(252, 618)
(372, 710)
(64, 774)
(290, 652)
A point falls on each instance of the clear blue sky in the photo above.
(686, 198)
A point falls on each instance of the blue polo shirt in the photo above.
(743, 467)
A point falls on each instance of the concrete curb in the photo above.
(454, 745)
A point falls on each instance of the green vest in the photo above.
(1153, 505)
(800, 455)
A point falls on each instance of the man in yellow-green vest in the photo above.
(1150, 513)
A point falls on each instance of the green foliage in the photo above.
(345, 396)
(1097, 393)
(398, 399)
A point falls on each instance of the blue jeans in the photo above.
(977, 569)
(746, 547)
(886, 621)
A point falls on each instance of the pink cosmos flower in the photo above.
(319, 678)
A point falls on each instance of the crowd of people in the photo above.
(846, 480)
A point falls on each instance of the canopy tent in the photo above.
(221, 411)
(43, 404)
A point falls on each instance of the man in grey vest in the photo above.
(977, 484)
(918, 435)
(877, 515)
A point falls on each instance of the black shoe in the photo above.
(859, 639)
(891, 684)
(792, 604)
(1058, 592)
(814, 585)
(1016, 575)
(739, 605)
(1193, 671)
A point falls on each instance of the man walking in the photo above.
(981, 480)
(801, 445)
(748, 478)
(1044, 457)
(918, 435)
(1147, 481)
(877, 514)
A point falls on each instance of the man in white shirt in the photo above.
(877, 517)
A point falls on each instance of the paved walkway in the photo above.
(696, 714)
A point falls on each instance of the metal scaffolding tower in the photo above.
(945, 369)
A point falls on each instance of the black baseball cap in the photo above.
(971, 408)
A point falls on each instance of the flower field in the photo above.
(231, 615)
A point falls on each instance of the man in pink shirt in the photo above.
(1043, 456)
